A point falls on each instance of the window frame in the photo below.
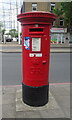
(61, 20)
(52, 5)
(34, 5)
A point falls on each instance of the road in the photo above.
(12, 74)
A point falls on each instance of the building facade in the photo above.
(44, 6)
(59, 31)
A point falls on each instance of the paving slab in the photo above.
(52, 45)
(60, 90)
(8, 110)
(0, 102)
(55, 50)
(59, 50)
(50, 110)
(57, 107)
(55, 113)
(61, 94)
(11, 51)
(0, 112)
(21, 106)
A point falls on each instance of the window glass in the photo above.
(61, 22)
(34, 6)
(52, 6)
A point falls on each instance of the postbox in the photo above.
(35, 56)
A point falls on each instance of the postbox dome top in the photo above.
(36, 17)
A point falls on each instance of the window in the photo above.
(52, 6)
(34, 6)
(61, 22)
(53, 23)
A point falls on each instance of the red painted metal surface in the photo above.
(35, 64)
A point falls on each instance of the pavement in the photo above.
(12, 106)
(57, 107)
(55, 48)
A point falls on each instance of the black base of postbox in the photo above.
(35, 96)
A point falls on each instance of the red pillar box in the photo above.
(35, 56)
